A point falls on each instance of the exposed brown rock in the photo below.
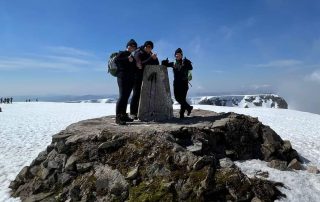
(295, 164)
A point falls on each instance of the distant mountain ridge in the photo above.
(60, 98)
(246, 101)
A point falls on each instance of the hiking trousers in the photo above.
(125, 84)
(180, 88)
(134, 105)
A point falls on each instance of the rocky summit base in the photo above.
(180, 160)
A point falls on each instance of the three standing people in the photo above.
(130, 67)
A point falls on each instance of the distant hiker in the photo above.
(182, 74)
(143, 57)
(126, 66)
(11, 100)
(29, 100)
(0, 109)
(37, 100)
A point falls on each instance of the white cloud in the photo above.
(314, 76)
(260, 86)
(300, 93)
(316, 47)
(23, 63)
(199, 87)
(164, 49)
(63, 50)
(68, 61)
(195, 46)
(226, 31)
(193, 49)
(250, 22)
(229, 31)
(279, 63)
(72, 60)
(217, 71)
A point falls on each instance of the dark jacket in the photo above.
(180, 69)
(144, 58)
(124, 67)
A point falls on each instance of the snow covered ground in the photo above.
(26, 130)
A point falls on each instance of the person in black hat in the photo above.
(143, 57)
(126, 67)
(181, 72)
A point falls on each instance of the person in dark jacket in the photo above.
(143, 57)
(126, 67)
(181, 68)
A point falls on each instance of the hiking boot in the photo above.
(126, 118)
(189, 110)
(134, 116)
(181, 114)
(119, 120)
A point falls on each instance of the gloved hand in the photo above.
(165, 62)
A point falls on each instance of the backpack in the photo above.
(112, 66)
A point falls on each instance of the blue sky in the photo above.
(61, 46)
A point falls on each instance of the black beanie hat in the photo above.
(132, 42)
(179, 50)
(148, 43)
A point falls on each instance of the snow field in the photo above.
(26, 130)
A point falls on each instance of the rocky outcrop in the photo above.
(180, 160)
(246, 101)
(220, 101)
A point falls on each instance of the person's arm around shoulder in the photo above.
(137, 57)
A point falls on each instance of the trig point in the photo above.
(155, 99)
